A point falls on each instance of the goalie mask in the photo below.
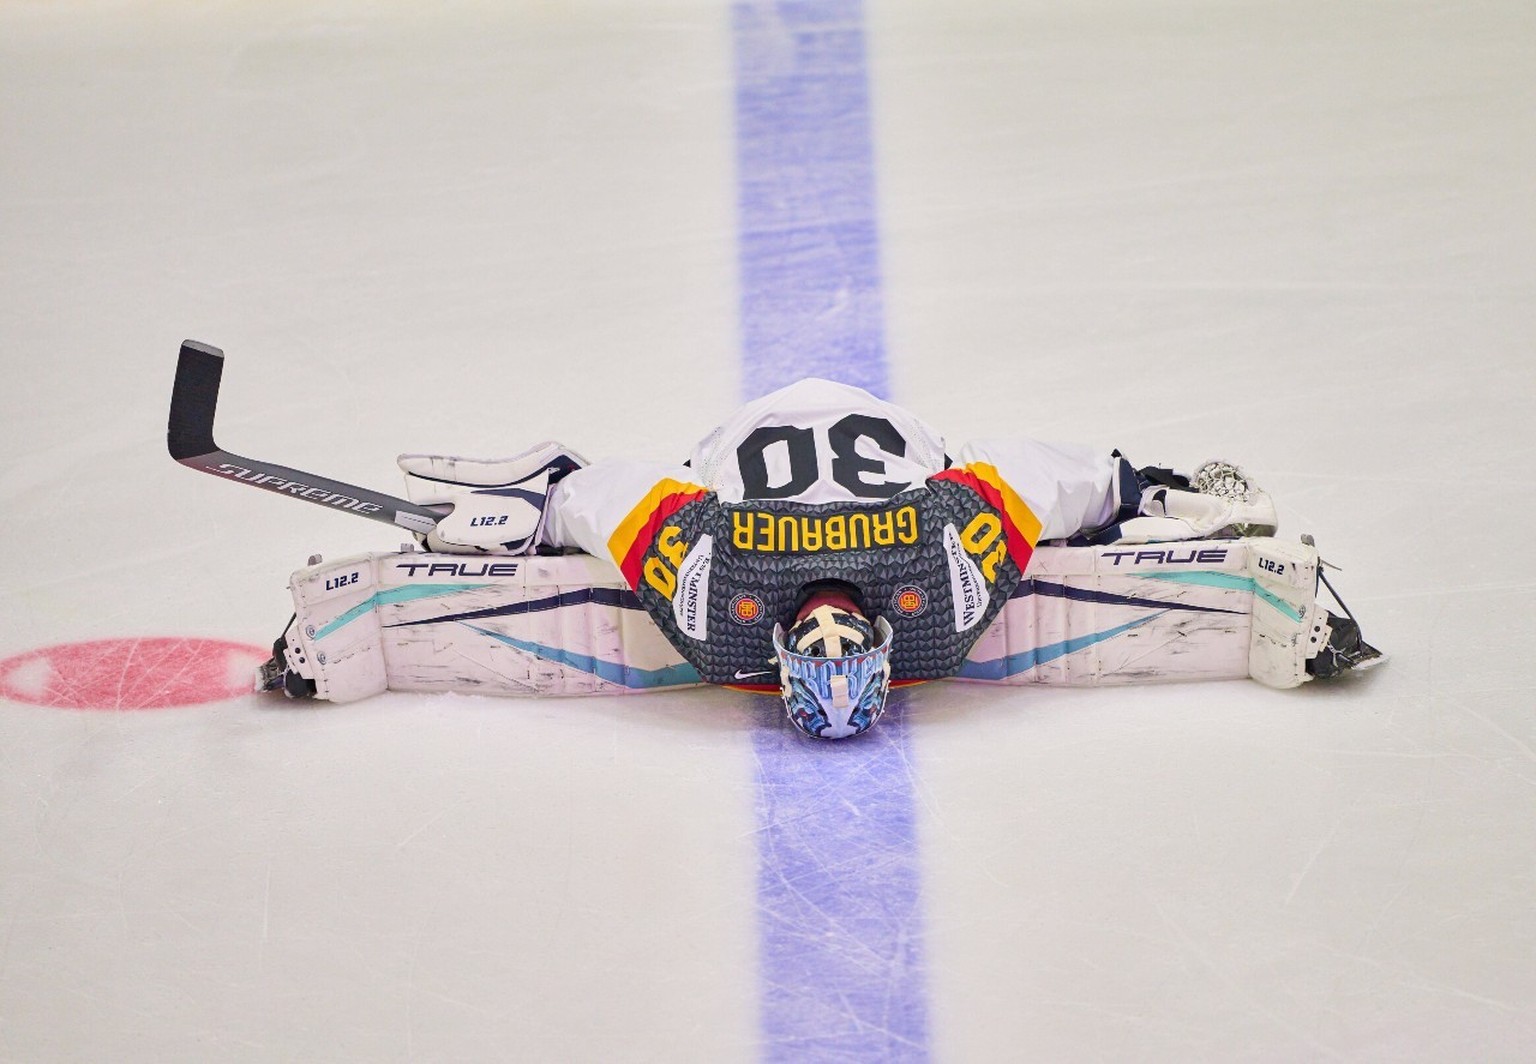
(834, 669)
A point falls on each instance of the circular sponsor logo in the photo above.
(746, 608)
(909, 600)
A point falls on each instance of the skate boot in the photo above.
(283, 671)
(1340, 646)
(1343, 650)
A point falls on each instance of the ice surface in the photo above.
(1296, 235)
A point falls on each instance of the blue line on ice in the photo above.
(840, 934)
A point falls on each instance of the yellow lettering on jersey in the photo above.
(984, 532)
(990, 563)
(765, 530)
(979, 534)
(837, 532)
(858, 530)
(789, 535)
(810, 534)
(660, 577)
(885, 528)
(770, 533)
(670, 545)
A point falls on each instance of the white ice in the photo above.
(1296, 235)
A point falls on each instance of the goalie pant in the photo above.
(820, 481)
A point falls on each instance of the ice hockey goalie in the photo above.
(824, 544)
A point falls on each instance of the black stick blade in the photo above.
(194, 398)
(189, 435)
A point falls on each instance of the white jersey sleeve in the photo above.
(818, 441)
(593, 507)
(1066, 488)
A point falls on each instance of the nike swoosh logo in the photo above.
(760, 672)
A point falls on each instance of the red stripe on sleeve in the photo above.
(1020, 546)
(663, 508)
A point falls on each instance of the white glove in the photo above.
(1168, 513)
(1203, 514)
(498, 504)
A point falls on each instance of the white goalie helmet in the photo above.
(834, 667)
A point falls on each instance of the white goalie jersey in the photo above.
(818, 441)
(821, 442)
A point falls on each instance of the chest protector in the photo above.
(932, 561)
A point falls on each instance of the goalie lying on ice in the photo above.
(821, 543)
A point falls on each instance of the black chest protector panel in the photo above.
(931, 561)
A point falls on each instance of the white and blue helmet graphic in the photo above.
(834, 671)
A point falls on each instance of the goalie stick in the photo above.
(189, 436)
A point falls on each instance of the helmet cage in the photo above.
(833, 698)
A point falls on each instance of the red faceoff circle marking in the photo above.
(150, 673)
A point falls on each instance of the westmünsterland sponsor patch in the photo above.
(965, 583)
(690, 604)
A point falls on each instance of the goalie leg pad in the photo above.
(1222, 609)
(433, 622)
(1197, 610)
(1286, 616)
(333, 648)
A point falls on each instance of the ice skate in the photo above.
(1343, 651)
(285, 670)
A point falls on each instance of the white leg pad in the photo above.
(336, 629)
(1287, 620)
(496, 625)
(567, 625)
(1156, 613)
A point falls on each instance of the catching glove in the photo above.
(499, 504)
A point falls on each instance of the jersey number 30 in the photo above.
(852, 471)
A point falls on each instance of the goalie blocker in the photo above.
(567, 625)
